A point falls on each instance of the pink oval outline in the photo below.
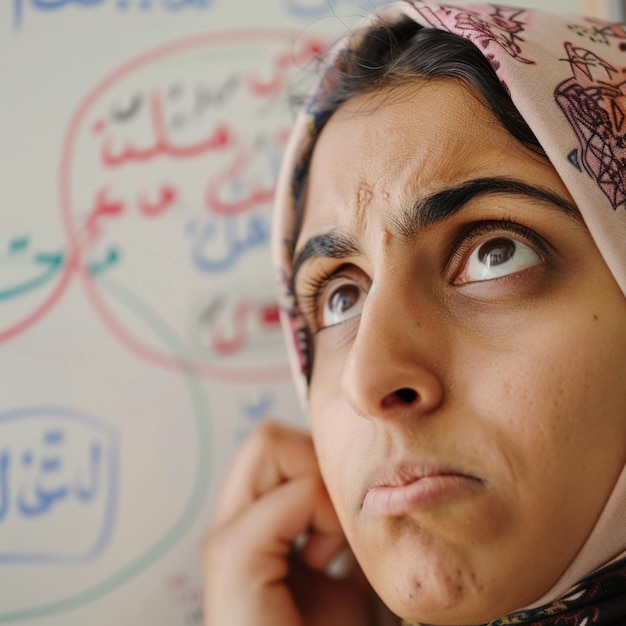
(239, 374)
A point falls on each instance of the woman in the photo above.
(450, 242)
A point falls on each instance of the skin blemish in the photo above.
(364, 197)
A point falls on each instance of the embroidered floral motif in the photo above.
(598, 31)
(594, 103)
(484, 25)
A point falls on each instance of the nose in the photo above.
(389, 370)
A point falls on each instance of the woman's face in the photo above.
(467, 396)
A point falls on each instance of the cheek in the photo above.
(342, 441)
(554, 401)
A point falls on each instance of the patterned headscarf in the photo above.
(566, 76)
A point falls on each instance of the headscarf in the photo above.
(566, 75)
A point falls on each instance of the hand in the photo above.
(272, 496)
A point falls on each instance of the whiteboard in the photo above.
(139, 144)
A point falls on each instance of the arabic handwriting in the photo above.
(256, 196)
(221, 138)
(57, 4)
(177, 5)
(282, 66)
(49, 6)
(106, 206)
(269, 316)
(254, 411)
(203, 98)
(120, 114)
(111, 257)
(167, 197)
(226, 346)
(238, 180)
(58, 468)
(42, 5)
(230, 326)
(43, 482)
(33, 499)
(306, 10)
(88, 493)
(47, 265)
(218, 244)
(50, 262)
(18, 244)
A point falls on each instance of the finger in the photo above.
(274, 453)
(322, 548)
(305, 507)
(256, 545)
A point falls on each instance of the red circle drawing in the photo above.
(79, 124)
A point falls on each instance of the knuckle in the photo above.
(269, 431)
(267, 435)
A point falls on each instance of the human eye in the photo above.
(329, 300)
(498, 249)
(344, 300)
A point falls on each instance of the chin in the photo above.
(443, 591)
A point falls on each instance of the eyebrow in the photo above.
(429, 211)
(442, 205)
(331, 245)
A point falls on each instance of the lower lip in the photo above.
(421, 493)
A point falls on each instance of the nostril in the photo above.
(406, 395)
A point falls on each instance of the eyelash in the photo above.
(468, 237)
(309, 299)
(461, 246)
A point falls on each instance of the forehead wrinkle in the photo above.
(363, 198)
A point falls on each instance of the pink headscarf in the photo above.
(566, 75)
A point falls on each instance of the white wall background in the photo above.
(139, 142)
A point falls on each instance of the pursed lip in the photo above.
(398, 489)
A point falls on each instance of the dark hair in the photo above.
(389, 55)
